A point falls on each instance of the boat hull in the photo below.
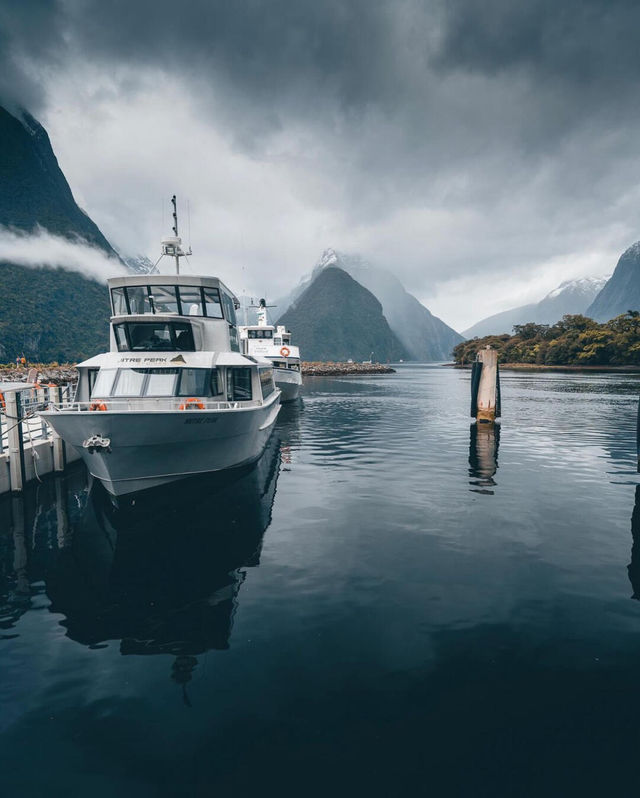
(148, 449)
(289, 382)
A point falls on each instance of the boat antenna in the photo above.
(172, 245)
(175, 229)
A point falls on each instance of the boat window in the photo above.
(234, 343)
(216, 387)
(92, 374)
(161, 382)
(138, 296)
(165, 299)
(183, 300)
(103, 383)
(266, 382)
(239, 385)
(194, 382)
(129, 382)
(121, 337)
(212, 303)
(183, 337)
(191, 300)
(294, 366)
(278, 364)
(150, 336)
(260, 333)
(119, 302)
(229, 308)
(277, 341)
(147, 336)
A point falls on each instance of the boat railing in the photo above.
(149, 404)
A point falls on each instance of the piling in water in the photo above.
(638, 437)
(485, 386)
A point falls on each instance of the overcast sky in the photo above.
(483, 151)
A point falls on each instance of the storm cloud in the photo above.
(445, 140)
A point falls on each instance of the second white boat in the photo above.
(273, 343)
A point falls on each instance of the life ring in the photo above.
(285, 351)
(97, 406)
(192, 404)
(2, 402)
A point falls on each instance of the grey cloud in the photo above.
(534, 71)
(522, 115)
(29, 34)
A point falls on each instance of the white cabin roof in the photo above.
(170, 360)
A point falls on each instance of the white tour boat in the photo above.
(174, 396)
(274, 344)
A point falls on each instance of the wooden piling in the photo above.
(59, 453)
(15, 441)
(487, 385)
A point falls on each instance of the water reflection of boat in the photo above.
(484, 443)
(127, 575)
(161, 576)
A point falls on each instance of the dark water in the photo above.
(389, 604)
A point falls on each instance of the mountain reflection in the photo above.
(484, 442)
(162, 575)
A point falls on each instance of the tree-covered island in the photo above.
(573, 341)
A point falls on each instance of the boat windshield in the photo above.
(145, 336)
(156, 382)
(184, 300)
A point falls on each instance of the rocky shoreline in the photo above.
(317, 369)
(48, 374)
(542, 367)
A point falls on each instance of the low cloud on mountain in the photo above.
(44, 249)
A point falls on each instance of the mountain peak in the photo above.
(423, 336)
(328, 258)
(336, 318)
(622, 291)
(35, 192)
(570, 297)
(589, 286)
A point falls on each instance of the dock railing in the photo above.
(29, 448)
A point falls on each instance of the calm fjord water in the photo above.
(375, 609)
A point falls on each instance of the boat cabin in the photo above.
(260, 339)
(201, 378)
(172, 313)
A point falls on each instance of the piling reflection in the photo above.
(634, 566)
(484, 442)
(288, 430)
(161, 575)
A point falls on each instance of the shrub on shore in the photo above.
(572, 341)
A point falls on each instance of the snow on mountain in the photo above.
(570, 297)
(587, 286)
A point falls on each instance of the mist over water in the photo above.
(391, 602)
